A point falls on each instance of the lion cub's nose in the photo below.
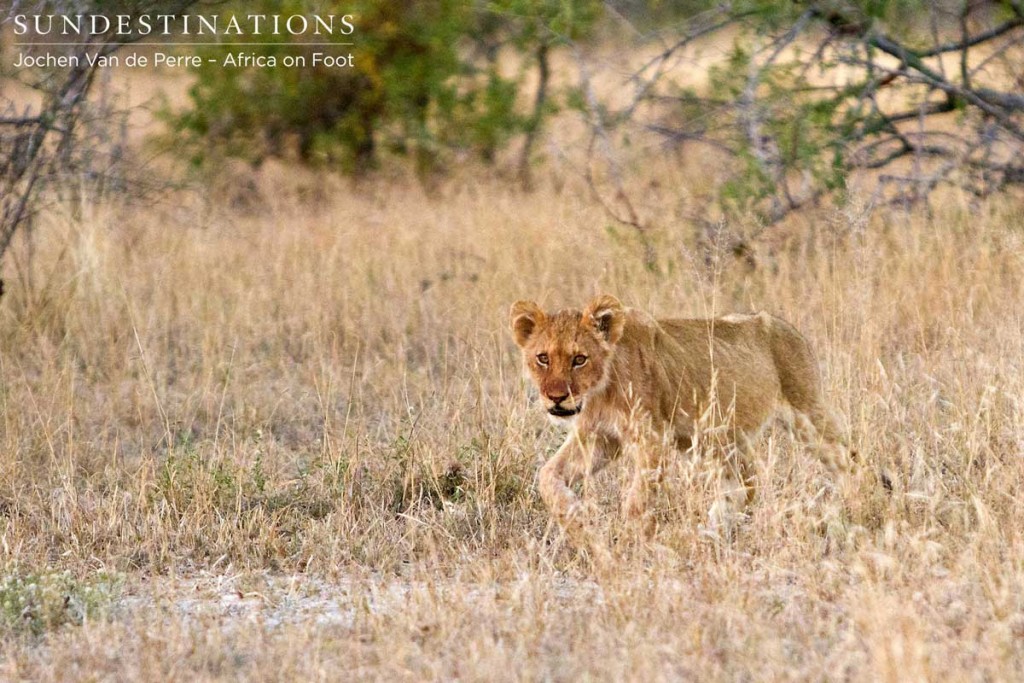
(557, 398)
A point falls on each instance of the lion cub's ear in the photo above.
(524, 318)
(607, 316)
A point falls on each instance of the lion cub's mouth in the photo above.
(559, 411)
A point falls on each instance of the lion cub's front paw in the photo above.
(634, 503)
(582, 513)
(723, 521)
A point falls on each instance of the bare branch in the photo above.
(791, 129)
(42, 146)
(970, 41)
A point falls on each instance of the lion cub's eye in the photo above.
(579, 361)
(542, 360)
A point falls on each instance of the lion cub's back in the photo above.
(742, 359)
(746, 331)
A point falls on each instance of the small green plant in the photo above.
(186, 479)
(34, 603)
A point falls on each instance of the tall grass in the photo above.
(309, 398)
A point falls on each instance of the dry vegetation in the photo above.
(283, 435)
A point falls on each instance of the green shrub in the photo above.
(424, 79)
(34, 603)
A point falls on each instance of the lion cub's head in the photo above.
(568, 353)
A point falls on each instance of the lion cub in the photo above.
(625, 383)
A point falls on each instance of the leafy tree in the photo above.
(425, 77)
(535, 28)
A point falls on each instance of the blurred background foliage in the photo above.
(804, 93)
(426, 77)
(794, 101)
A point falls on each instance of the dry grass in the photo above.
(291, 426)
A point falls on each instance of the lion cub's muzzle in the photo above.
(560, 410)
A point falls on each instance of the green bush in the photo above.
(34, 603)
(425, 78)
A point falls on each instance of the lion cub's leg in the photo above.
(580, 456)
(800, 382)
(736, 487)
(818, 429)
(648, 452)
(647, 474)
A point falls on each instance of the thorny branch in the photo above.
(599, 139)
(898, 118)
(43, 146)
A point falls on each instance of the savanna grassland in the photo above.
(275, 428)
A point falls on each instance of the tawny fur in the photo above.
(626, 383)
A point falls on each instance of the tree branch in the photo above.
(967, 42)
